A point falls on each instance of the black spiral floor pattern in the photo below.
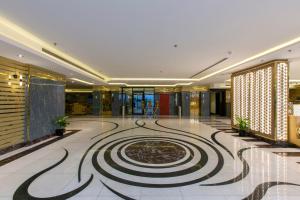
(138, 161)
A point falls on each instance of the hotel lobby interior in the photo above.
(149, 100)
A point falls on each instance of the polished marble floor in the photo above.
(187, 159)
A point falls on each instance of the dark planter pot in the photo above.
(242, 133)
(60, 132)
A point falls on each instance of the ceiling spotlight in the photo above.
(175, 45)
(20, 56)
(290, 50)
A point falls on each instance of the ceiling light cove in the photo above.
(81, 81)
(294, 81)
(78, 91)
(18, 36)
(152, 85)
(256, 56)
(154, 79)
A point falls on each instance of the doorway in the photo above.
(138, 101)
(218, 102)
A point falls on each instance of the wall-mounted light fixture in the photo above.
(15, 76)
(9, 80)
(21, 80)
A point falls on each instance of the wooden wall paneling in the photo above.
(12, 102)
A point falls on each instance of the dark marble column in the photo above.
(156, 99)
(185, 105)
(46, 103)
(97, 103)
(116, 104)
(178, 101)
(205, 103)
(172, 104)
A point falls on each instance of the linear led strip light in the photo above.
(153, 79)
(78, 91)
(151, 85)
(15, 33)
(81, 81)
(294, 81)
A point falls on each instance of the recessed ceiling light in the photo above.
(175, 45)
(20, 56)
(290, 50)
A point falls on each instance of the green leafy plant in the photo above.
(61, 121)
(243, 124)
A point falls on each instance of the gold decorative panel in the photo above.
(260, 94)
(13, 81)
(35, 71)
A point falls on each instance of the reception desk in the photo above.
(294, 125)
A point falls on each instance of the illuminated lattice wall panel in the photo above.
(260, 94)
(252, 106)
(282, 101)
(256, 100)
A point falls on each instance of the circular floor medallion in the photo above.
(155, 152)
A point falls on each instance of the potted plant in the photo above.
(243, 125)
(61, 123)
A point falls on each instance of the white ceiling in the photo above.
(135, 38)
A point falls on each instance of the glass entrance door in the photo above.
(138, 103)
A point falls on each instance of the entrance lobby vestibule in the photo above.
(138, 101)
(157, 101)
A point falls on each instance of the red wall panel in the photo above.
(164, 104)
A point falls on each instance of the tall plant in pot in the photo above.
(243, 125)
(61, 123)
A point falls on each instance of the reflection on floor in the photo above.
(115, 158)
